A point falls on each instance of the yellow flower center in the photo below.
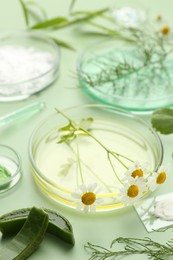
(88, 198)
(137, 173)
(133, 191)
(161, 178)
(159, 17)
(165, 30)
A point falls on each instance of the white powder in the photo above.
(164, 209)
(20, 64)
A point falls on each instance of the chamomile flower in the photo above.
(86, 196)
(137, 170)
(165, 30)
(133, 190)
(157, 178)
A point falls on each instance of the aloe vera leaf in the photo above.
(28, 238)
(11, 223)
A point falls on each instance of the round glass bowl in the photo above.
(63, 159)
(29, 63)
(10, 168)
(112, 72)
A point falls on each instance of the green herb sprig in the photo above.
(144, 60)
(73, 130)
(132, 246)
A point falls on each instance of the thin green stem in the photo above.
(64, 115)
(68, 23)
(114, 154)
(111, 164)
(109, 152)
(79, 161)
(110, 32)
(89, 169)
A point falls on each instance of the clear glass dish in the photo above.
(147, 89)
(55, 165)
(29, 63)
(10, 168)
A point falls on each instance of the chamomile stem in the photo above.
(79, 161)
(113, 168)
(64, 115)
(114, 154)
(89, 169)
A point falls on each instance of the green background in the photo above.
(99, 228)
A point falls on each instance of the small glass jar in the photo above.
(10, 168)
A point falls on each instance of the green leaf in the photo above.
(50, 23)
(85, 123)
(162, 121)
(62, 43)
(62, 22)
(67, 133)
(25, 11)
(66, 128)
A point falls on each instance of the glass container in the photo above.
(62, 159)
(113, 72)
(10, 168)
(29, 63)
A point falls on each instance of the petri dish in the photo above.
(29, 63)
(55, 164)
(10, 168)
(144, 89)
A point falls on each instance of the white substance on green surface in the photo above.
(164, 209)
(21, 64)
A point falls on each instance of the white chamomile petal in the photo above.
(86, 198)
(137, 170)
(92, 187)
(157, 178)
(133, 190)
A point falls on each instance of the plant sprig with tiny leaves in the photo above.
(149, 53)
(73, 130)
(132, 246)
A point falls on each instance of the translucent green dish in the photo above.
(148, 89)
(54, 165)
(10, 168)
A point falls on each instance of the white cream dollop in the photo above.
(164, 209)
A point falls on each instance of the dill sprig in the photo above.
(132, 246)
(143, 62)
